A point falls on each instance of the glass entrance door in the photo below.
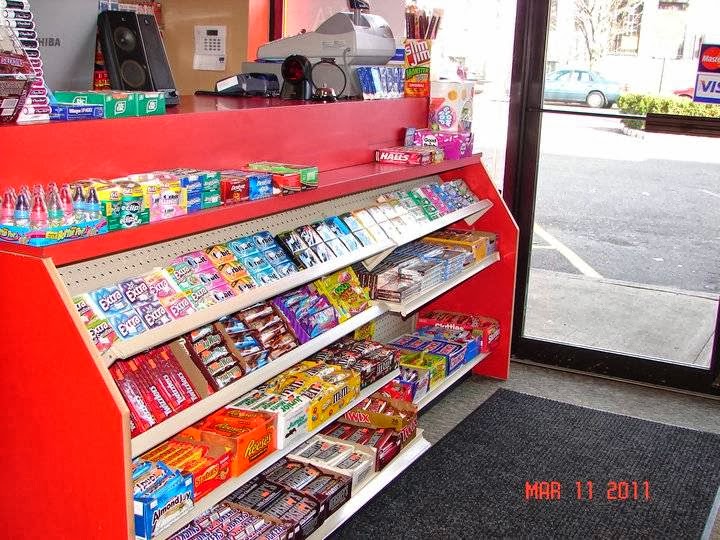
(621, 224)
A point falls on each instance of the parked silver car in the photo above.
(581, 86)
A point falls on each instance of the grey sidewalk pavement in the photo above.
(635, 319)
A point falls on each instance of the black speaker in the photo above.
(134, 53)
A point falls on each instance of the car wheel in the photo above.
(595, 100)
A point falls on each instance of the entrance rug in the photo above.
(511, 470)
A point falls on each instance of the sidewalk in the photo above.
(639, 320)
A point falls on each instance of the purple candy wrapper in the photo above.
(137, 291)
(153, 314)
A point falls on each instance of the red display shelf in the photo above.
(207, 132)
(333, 183)
(62, 405)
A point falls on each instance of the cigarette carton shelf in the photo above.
(225, 489)
(58, 387)
(407, 456)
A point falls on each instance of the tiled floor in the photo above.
(607, 395)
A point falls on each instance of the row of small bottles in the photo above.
(54, 207)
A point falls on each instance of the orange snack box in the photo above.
(249, 438)
(208, 464)
(209, 468)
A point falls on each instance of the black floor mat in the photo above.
(474, 482)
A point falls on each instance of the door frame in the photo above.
(521, 167)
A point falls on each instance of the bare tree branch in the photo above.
(601, 23)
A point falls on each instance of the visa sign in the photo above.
(707, 88)
(707, 84)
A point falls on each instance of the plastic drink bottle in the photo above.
(79, 204)
(55, 213)
(67, 204)
(7, 210)
(39, 212)
(92, 205)
(22, 211)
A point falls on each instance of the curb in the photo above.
(630, 132)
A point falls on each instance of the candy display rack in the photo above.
(69, 439)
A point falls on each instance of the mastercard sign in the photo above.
(709, 61)
(707, 83)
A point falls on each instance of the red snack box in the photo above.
(488, 327)
(140, 413)
(234, 189)
(405, 155)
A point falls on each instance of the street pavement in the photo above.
(627, 239)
